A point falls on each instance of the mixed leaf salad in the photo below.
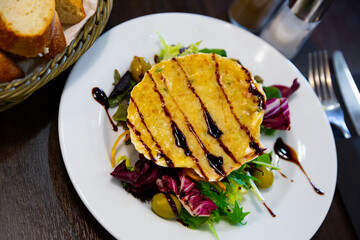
(206, 202)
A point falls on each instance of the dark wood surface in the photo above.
(37, 199)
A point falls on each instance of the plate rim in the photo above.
(60, 119)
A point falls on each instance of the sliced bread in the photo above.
(8, 69)
(70, 11)
(26, 26)
(58, 42)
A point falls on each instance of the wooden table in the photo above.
(37, 199)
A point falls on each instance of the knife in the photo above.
(349, 92)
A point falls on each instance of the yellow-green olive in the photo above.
(164, 207)
(138, 68)
(258, 79)
(265, 176)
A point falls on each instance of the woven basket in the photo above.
(16, 91)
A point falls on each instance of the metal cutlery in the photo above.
(321, 82)
(349, 92)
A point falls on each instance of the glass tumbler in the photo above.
(252, 14)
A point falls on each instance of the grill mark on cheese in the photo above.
(212, 127)
(254, 91)
(215, 162)
(161, 152)
(180, 139)
(191, 128)
(138, 134)
(253, 144)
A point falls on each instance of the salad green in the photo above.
(170, 51)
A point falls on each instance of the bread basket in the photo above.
(18, 90)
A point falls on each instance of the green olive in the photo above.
(265, 176)
(138, 67)
(161, 205)
(258, 79)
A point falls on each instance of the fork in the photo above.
(320, 80)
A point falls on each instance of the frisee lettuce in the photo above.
(209, 222)
(236, 215)
(216, 195)
(171, 51)
(226, 201)
(191, 221)
(240, 177)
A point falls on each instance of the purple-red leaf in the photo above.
(143, 177)
(167, 184)
(277, 115)
(189, 196)
(287, 91)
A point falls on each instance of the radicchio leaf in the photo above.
(277, 115)
(167, 184)
(189, 196)
(287, 91)
(142, 179)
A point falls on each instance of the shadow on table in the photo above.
(83, 224)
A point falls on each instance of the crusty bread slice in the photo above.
(70, 11)
(26, 25)
(58, 41)
(8, 69)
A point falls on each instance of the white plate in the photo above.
(86, 136)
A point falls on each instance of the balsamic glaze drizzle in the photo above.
(287, 153)
(270, 211)
(215, 162)
(100, 96)
(172, 204)
(253, 144)
(138, 134)
(213, 129)
(254, 91)
(161, 152)
(261, 99)
(180, 139)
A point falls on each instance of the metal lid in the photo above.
(309, 10)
